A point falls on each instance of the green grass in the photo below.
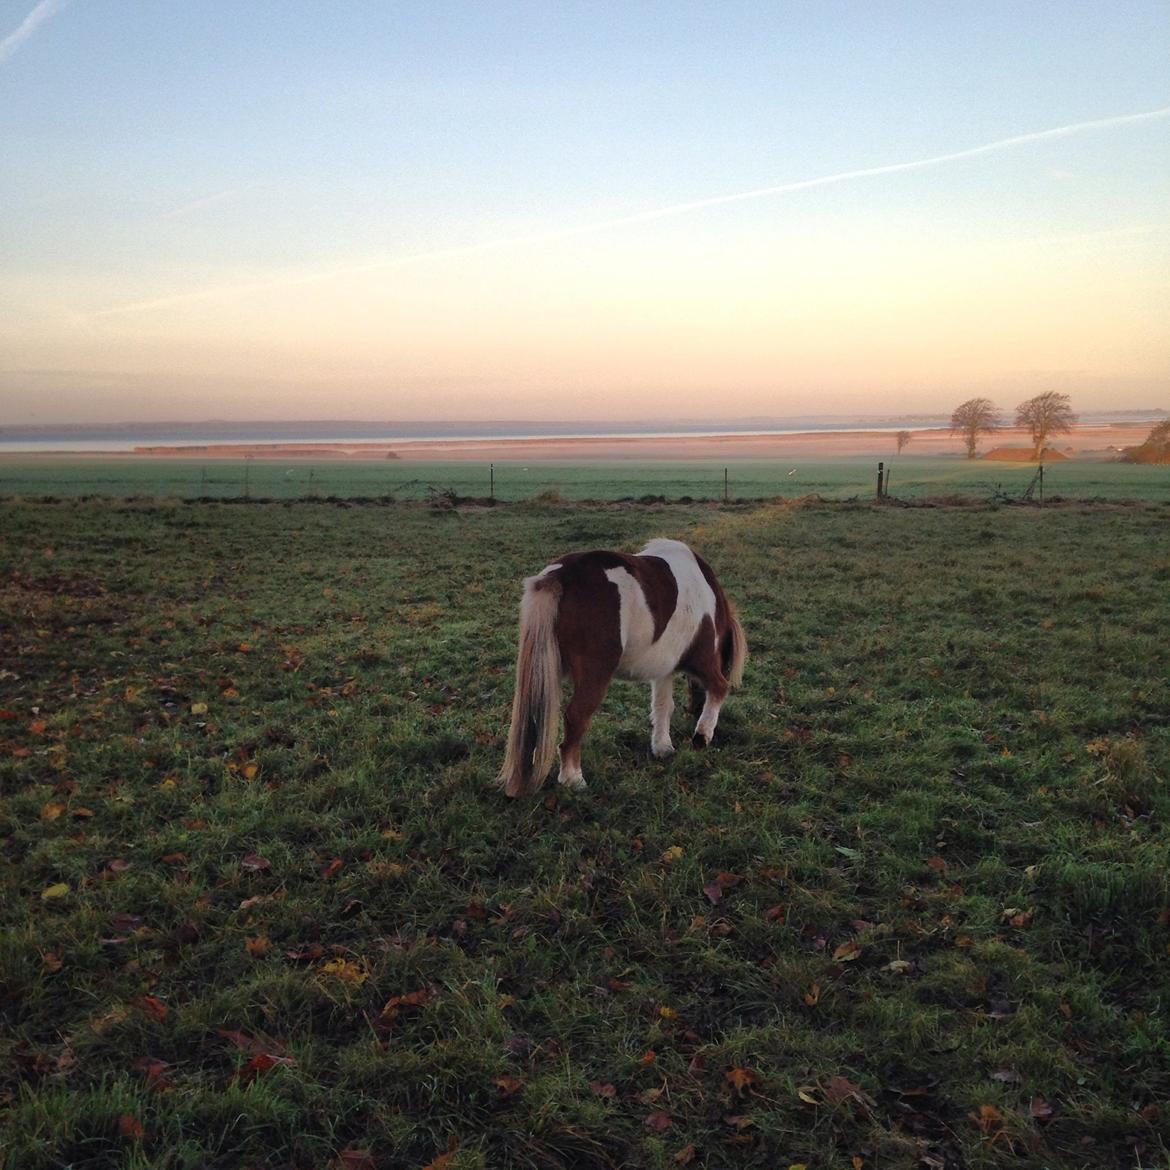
(913, 478)
(256, 745)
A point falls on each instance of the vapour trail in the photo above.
(556, 234)
(40, 13)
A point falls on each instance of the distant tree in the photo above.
(1046, 414)
(1156, 448)
(902, 438)
(975, 416)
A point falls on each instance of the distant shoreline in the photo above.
(1085, 441)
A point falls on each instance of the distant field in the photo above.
(842, 478)
(262, 903)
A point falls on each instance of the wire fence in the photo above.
(903, 480)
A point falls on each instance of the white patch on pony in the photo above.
(571, 777)
(643, 658)
(546, 570)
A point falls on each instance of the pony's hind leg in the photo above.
(703, 664)
(589, 686)
(709, 717)
(661, 708)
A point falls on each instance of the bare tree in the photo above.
(975, 416)
(902, 438)
(1046, 414)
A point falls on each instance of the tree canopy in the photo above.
(1046, 414)
(973, 417)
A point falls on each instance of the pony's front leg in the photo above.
(661, 708)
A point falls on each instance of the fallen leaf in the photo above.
(262, 1063)
(741, 1078)
(130, 1127)
(988, 1119)
(649, 1058)
(246, 1043)
(813, 994)
(685, 1156)
(1039, 1108)
(603, 1090)
(152, 1005)
(668, 1013)
(307, 954)
(198, 708)
(840, 1089)
(57, 890)
(847, 952)
(347, 971)
(508, 1086)
(349, 1159)
(50, 812)
(671, 855)
(254, 863)
(657, 1122)
(257, 946)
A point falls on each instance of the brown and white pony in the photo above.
(593, 615)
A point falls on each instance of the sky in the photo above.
(592, 210)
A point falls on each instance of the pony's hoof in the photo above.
(699, 742)
(663, 753)
(577, 783)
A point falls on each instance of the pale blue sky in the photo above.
(370, 210)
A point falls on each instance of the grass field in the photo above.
(263, 904)
(913, 478)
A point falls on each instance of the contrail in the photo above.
(40, 13)
(555, 234)
(199, 204)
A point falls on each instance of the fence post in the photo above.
(1041, 485)
(725, 485)
(492, 482)
(881, 466)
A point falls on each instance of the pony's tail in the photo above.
(735, 652)
(536, 706)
